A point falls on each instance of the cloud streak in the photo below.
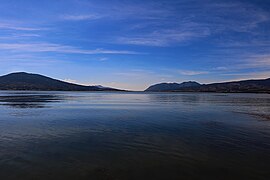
(192, 73)
(12, 26)
(80, 17)
(57, 48)
(165, 37)
(168, 27)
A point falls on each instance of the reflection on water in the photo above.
(69, 135)
(27, 100)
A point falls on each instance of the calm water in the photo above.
(70, 135)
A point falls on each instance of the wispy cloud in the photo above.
(28, 61)
(257, 61)
(248, 61)
(141, 74)
(135, 73)
(192, 73)
(192, 23)
(165, 37)
(251, 75)
(18, 27)
(26, 35)
(16, 36)
(131, 10)
(80, 17)
(57, 48)
(220, 68)
(103, 59)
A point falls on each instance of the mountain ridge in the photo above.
(172, 86)
(31, 81)
(244, 86)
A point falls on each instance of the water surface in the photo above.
(89, 135)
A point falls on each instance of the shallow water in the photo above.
(81, 135)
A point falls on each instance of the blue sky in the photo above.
(132, 44)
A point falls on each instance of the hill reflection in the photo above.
(26, 100)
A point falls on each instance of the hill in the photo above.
(171, 86)
(27, 81)
(246, 86)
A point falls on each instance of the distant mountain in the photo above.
(172, 86)
(246, 86)
(26, 81)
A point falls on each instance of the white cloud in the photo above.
(50, 47)
(167, 37)
(255, 61)
(252, 75)
(80, 17)
(248, 61)
(220, 68)
(103, 59)
(192, 73)
(18, 27)
(26, 35)
(190, 21)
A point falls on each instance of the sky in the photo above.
(131, 44)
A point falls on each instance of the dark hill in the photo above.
(171, 86)
(26, 81)
(246, 86)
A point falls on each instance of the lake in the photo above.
(99, 135)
